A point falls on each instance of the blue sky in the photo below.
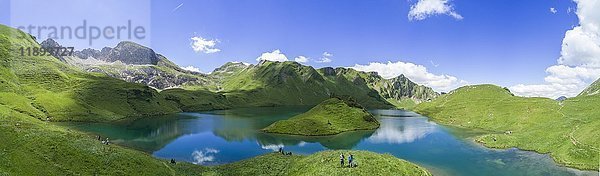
(493, 41)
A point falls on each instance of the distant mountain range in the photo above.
(292, 82)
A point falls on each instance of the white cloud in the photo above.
(207, 46)
(562, 81)
(581, 45)
(192, 68)
(275, 55)
(301, 59)
(426, 8)
(203, 156)
(579, 63)
(553, 10)
(325, 58)
(416, 73)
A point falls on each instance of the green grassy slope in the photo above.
(332, 116)
(46, 87)
(369, 163)
(567, 131)
(33, 147)
(320, 163)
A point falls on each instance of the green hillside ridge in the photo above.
(290, 83)
(320, 163)
(567, 130)
(369, 163)
(332, 116)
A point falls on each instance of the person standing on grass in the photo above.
(342, 159)
(350, 160)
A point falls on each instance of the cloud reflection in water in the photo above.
(400, 130)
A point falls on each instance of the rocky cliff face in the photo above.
(125, 52)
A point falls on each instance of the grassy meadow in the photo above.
(567, 130)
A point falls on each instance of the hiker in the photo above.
(280, 150)
(350, 158)
(173, 161)
(107, 141)
(98, 136)
(342, 159)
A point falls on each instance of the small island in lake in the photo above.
(332, 116)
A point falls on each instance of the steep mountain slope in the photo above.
(567, 130)
(44, 87)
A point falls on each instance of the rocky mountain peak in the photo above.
(231, 67)
(50, 43)
(125, 52)
(132, 53)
